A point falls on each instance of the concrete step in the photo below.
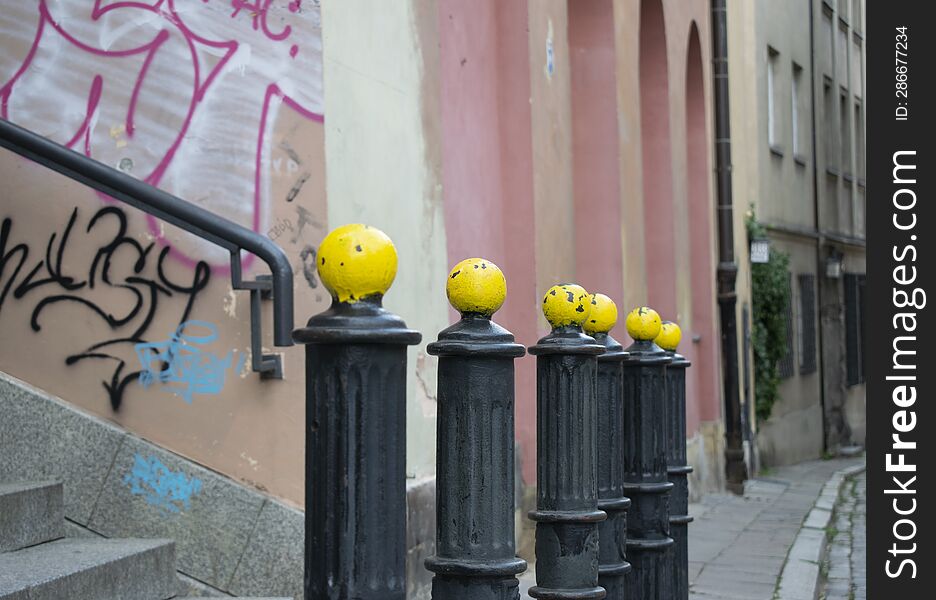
(30, 513)
(90, 569)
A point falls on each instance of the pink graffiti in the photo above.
(209, 53)
(259, 11)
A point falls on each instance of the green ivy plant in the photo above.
(771, 300)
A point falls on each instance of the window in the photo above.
(860, 208)
(794, 106)
(856, 15)
(828, 41)
(786, 363)
(859, 142)
(841, 54)
(807, 321)
(828, 110)
(854, 332)
(844, 137)
(772, 57)
(855, 81)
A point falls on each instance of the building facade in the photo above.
(797, 90)
(565, 140)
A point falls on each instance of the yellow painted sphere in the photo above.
(356, 261)
(603, 315)
(643, 323)
(669, 337)
(566, 304)
(476, 285)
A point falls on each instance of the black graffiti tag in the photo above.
(119, 264)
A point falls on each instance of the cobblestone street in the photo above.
(845, 565)
(738, 545)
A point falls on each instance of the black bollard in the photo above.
(645, 477)
(612, 533)
(355, 541)
(676, 459)
(567, 513)
(475, 548)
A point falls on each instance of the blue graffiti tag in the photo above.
(160, 486)
(179, 360)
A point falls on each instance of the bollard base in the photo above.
(446, 587)
(615, 586)
(567, 558)
(679, 560)
(541, 593)
(612, 536)
(650, 579)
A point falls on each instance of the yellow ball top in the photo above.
(643, 323)
(356, 261)
(669, 337)
(476, 285)
(567, 304)
(603, 315)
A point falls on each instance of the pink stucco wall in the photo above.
(657, 160)
(576, 143)
(487, 168)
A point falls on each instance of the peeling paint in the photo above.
(357, 261)
(476, 285)
(428, 401)
(643, 323)
(669, 337)
(603, 316)
(566, 304)
(254, 463)
(229, 303)
(245, 368)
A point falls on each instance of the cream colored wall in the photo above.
(794, 431)
(745, 175)
(382, 168)
(551, 102)
(627, 32)
(855, 404)
(786, 196)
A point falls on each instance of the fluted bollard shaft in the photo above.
(475, 548)
(567, 513)
(645, 477)
(612, 533)
(676, 459)
(355, 542)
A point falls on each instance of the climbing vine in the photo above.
(771, 299)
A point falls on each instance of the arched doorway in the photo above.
(657, 161)
(701, 214)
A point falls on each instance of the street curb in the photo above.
(799, 579)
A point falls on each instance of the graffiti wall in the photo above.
(220, 103)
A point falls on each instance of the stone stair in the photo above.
(37, 561)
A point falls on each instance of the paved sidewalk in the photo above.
(845, 564)
(738, 544)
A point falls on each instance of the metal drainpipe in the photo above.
(735, 467)
(820, 271)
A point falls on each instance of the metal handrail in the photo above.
(184, 215)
